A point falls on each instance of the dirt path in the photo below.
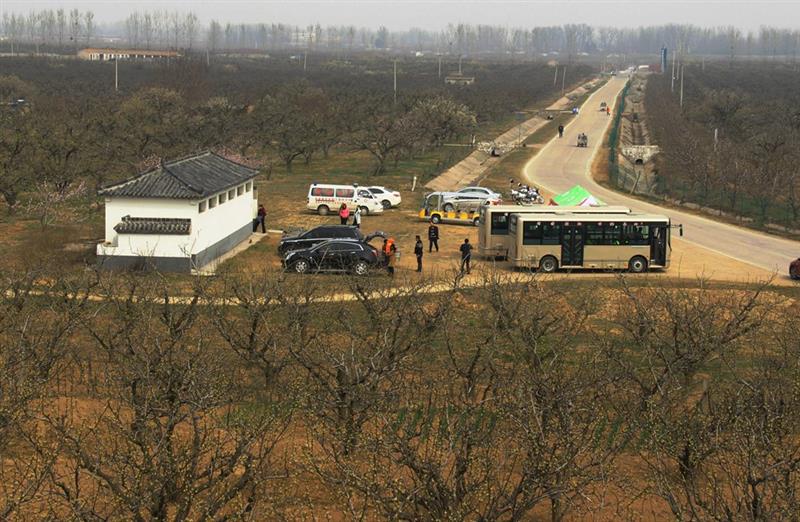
(560, 165)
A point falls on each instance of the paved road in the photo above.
(561, 165)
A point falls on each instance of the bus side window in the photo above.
(613, 234)
(636, 235)
(594, 234)
(551, 233)
(532, 233)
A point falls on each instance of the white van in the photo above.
(323, 198)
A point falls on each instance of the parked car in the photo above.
(388, 198)
(794, 269)
(468, 199)
(479, 190)
(336, 255)
(324, 198)
(309, 238)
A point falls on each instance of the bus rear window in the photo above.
(500, 224)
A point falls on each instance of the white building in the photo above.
(179, 216)
(108, 54)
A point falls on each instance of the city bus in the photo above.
(493, 238)
(547, 242)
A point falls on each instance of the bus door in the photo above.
(658, 244)
(571, 244)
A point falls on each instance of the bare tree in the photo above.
(173, 436)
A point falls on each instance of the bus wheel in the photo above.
(548, 264)
(436, 219)
(637, 265)
(448, 207)
(323, 210)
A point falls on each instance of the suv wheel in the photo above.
(637, 265)
(386, 204)
(323, 210)
(548, 264)
(361, 268)
(301, 266)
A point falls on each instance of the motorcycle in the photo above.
(526, 197)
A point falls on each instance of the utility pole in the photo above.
(555, 77)
(672, 85)
(440, 66)
(395, 81)
(563, 80)
(208, 59)
(305, 57)
(716, 139)
(459, 65)
(116, 74)
(682, 66)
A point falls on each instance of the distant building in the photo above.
(106, 54)
(458, 79)
(179, 216)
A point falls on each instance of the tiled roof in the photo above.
(193, 177)
(137, 225)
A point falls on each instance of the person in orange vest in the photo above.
(344, 213)
(608, 110)
(390, 254)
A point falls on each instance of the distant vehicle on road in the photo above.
(794, 269)
(357, 257)
(387, 197)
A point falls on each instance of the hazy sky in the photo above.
(403, 14)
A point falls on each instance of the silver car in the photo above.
(468, 199)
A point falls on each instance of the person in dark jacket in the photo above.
(466, 255)
(261, 217)
(433, 237)
(419, 248)
(560, 131)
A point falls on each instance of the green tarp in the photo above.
(577, 196)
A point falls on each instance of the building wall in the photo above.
(215, 227)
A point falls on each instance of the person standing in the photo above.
(433, 237)
(608, 110)
(344, 213)
(261, 218)
(560, 131)
(391, 256)
(419, 248)
(357, 218)
(466, 255)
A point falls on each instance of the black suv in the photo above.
(335, 255)
(317, 235)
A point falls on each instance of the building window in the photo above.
(201, 207)
(212, 202)
(231, 193)
(240, 190)
(222, 198)
(248, 186)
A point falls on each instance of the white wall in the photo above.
(208, 227)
